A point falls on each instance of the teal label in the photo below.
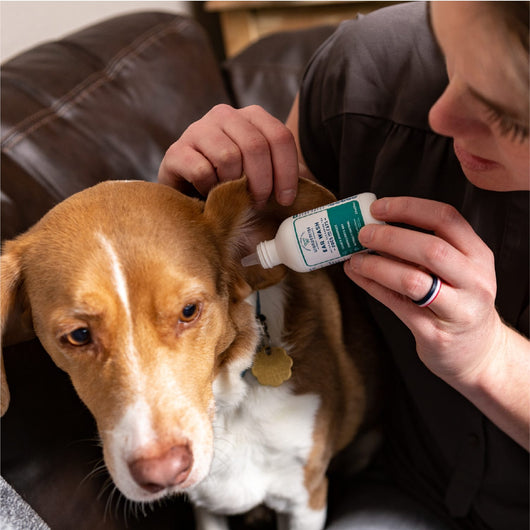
(346, 220)
(327, 236)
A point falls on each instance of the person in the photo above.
(427, 106)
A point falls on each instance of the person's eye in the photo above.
(508, 126)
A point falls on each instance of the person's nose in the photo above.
(454, 113)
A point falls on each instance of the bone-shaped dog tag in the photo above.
(273, 367)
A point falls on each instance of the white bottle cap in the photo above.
(265, 255)
(268, 254)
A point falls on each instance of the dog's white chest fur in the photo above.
(261, 443)
(259, 453)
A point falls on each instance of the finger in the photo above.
(245, 147)
(183, 166)
(219, 147)
(426, 250)
(256, 161)
(442, 219)
(402, 305)
(283, 154)
(403, 278)
(208, 150)
(286, 172)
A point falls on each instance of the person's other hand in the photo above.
(227, 143)
(459, 331)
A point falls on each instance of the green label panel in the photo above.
(346, 220)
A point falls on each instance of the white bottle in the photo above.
(317, 238)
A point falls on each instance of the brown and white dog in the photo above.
(137, 292)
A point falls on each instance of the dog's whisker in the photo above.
(111, 498)
(92, 440)
(123, 500)
(128, 508)
(100, 469)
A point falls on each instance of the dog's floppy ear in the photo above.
(230, 210)
(15, 316)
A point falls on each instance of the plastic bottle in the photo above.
(317, 238)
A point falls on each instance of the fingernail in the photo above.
(286, 197)
(365, 235)
(379, 207)
(354, 263)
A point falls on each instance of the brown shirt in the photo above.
(363, 127)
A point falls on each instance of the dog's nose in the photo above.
(163, 471)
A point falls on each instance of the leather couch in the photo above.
(105, 103)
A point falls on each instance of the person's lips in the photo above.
(472, 162)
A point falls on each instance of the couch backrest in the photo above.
(269, 71)
(103, 103)
(106, 102)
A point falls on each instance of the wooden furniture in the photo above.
(244, 22)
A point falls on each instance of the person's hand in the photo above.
(228, 142)
(459, 335)
(460, 332)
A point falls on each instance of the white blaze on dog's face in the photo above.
(129, 295)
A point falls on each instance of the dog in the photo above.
(137, 292)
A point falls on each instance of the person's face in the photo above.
(485, 107)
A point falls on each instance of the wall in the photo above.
(26, 23)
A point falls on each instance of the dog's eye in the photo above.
(79, 337)
(189, 313)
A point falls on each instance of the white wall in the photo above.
(26, 23)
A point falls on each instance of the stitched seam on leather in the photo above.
(94, 81)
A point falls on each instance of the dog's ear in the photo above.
(240, 226)
(15, 317)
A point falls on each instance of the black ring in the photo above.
(432, 294)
